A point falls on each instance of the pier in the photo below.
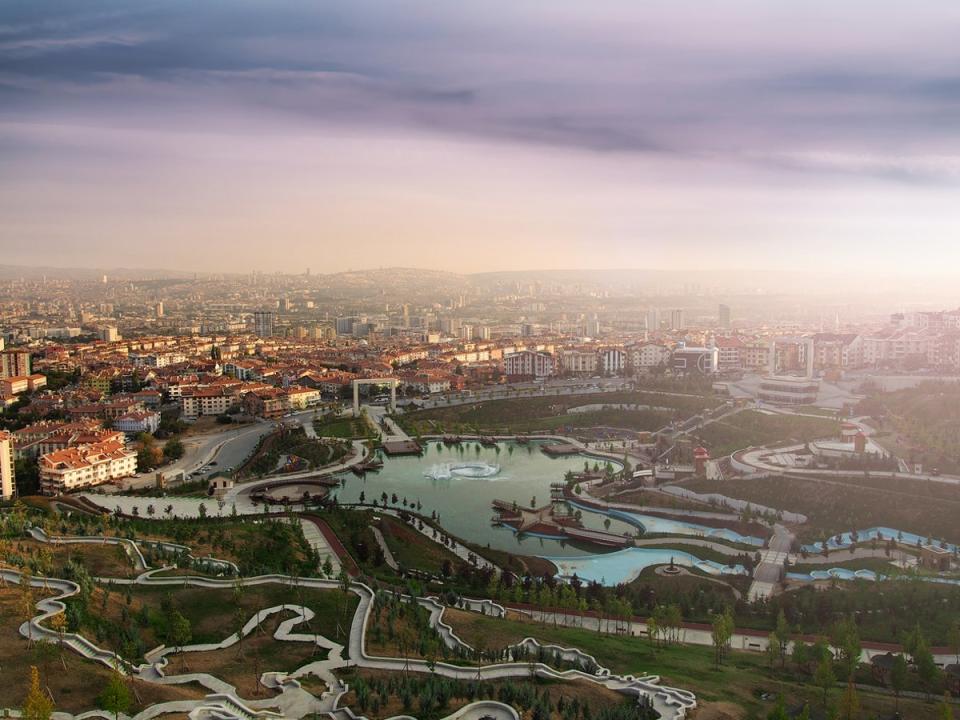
(548, 521)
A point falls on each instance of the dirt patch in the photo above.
(242, 665)
(101, 560)
(719, 711)
(74, 683)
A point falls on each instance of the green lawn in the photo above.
(348, 428)
(751, 427)
(740, 680)
(412, 550)
(210, 610)
(551, 412)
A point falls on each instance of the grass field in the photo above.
(100, 560)
(551, 413)
(835, 506)
(209, 611)
(346, 428)
(598, 698)
(205, 607)
(750, 427)
(922, 424)
(879, 565)
(243, 664)
(412, 550)
(739, 681)
(73, 682)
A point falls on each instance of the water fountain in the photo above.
(447, 471)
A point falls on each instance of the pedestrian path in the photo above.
(295, 702)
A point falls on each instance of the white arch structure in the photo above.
(392, 382)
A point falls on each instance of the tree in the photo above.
(720, 635)
(926, 666)
(773, 649)
(37, 705)
(846, 640)
(953, 638)
(239, 617)
(27, 603)
(180, 630)
(898, 678)
(115, 697)
(849, 703)
(824, 677)
(173, 449)
(782, 635)
(58, 623)
(779, 711)
(944, 711)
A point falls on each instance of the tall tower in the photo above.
(263, 323)
(723, 316)
(7, 485)
(677, 321)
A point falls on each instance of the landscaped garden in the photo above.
(752, 427)
(549, 412)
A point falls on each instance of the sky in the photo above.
(473, 136)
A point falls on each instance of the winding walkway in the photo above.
(293, 700)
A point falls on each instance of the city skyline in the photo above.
(341, 136)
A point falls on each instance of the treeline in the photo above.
(430, 698)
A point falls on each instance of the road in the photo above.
(228, 449)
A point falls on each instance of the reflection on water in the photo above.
(463, 496)
(625, 565)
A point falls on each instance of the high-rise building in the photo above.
(653, 319)
(345, 325)
(109, 334)
(7, 485)
(284, 304)
(592, 327)
(483, 332)
(677, 321)
(263, 323)
(449, 325)
(14, 363)
(466, 332)
(159, 309)
(723, 316)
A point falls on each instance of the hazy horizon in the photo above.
(479, 137)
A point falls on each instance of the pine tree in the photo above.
(824, 677)
(115, 697)
(37, 705)
(849, 703)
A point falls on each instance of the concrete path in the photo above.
(769, 571)
(318, 542)
(293, 701)
(387, 554)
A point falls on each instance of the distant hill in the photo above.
(13, 272)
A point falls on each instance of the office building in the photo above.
(263, 323)
(723, 316)
(653, 319)
(677, 320)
